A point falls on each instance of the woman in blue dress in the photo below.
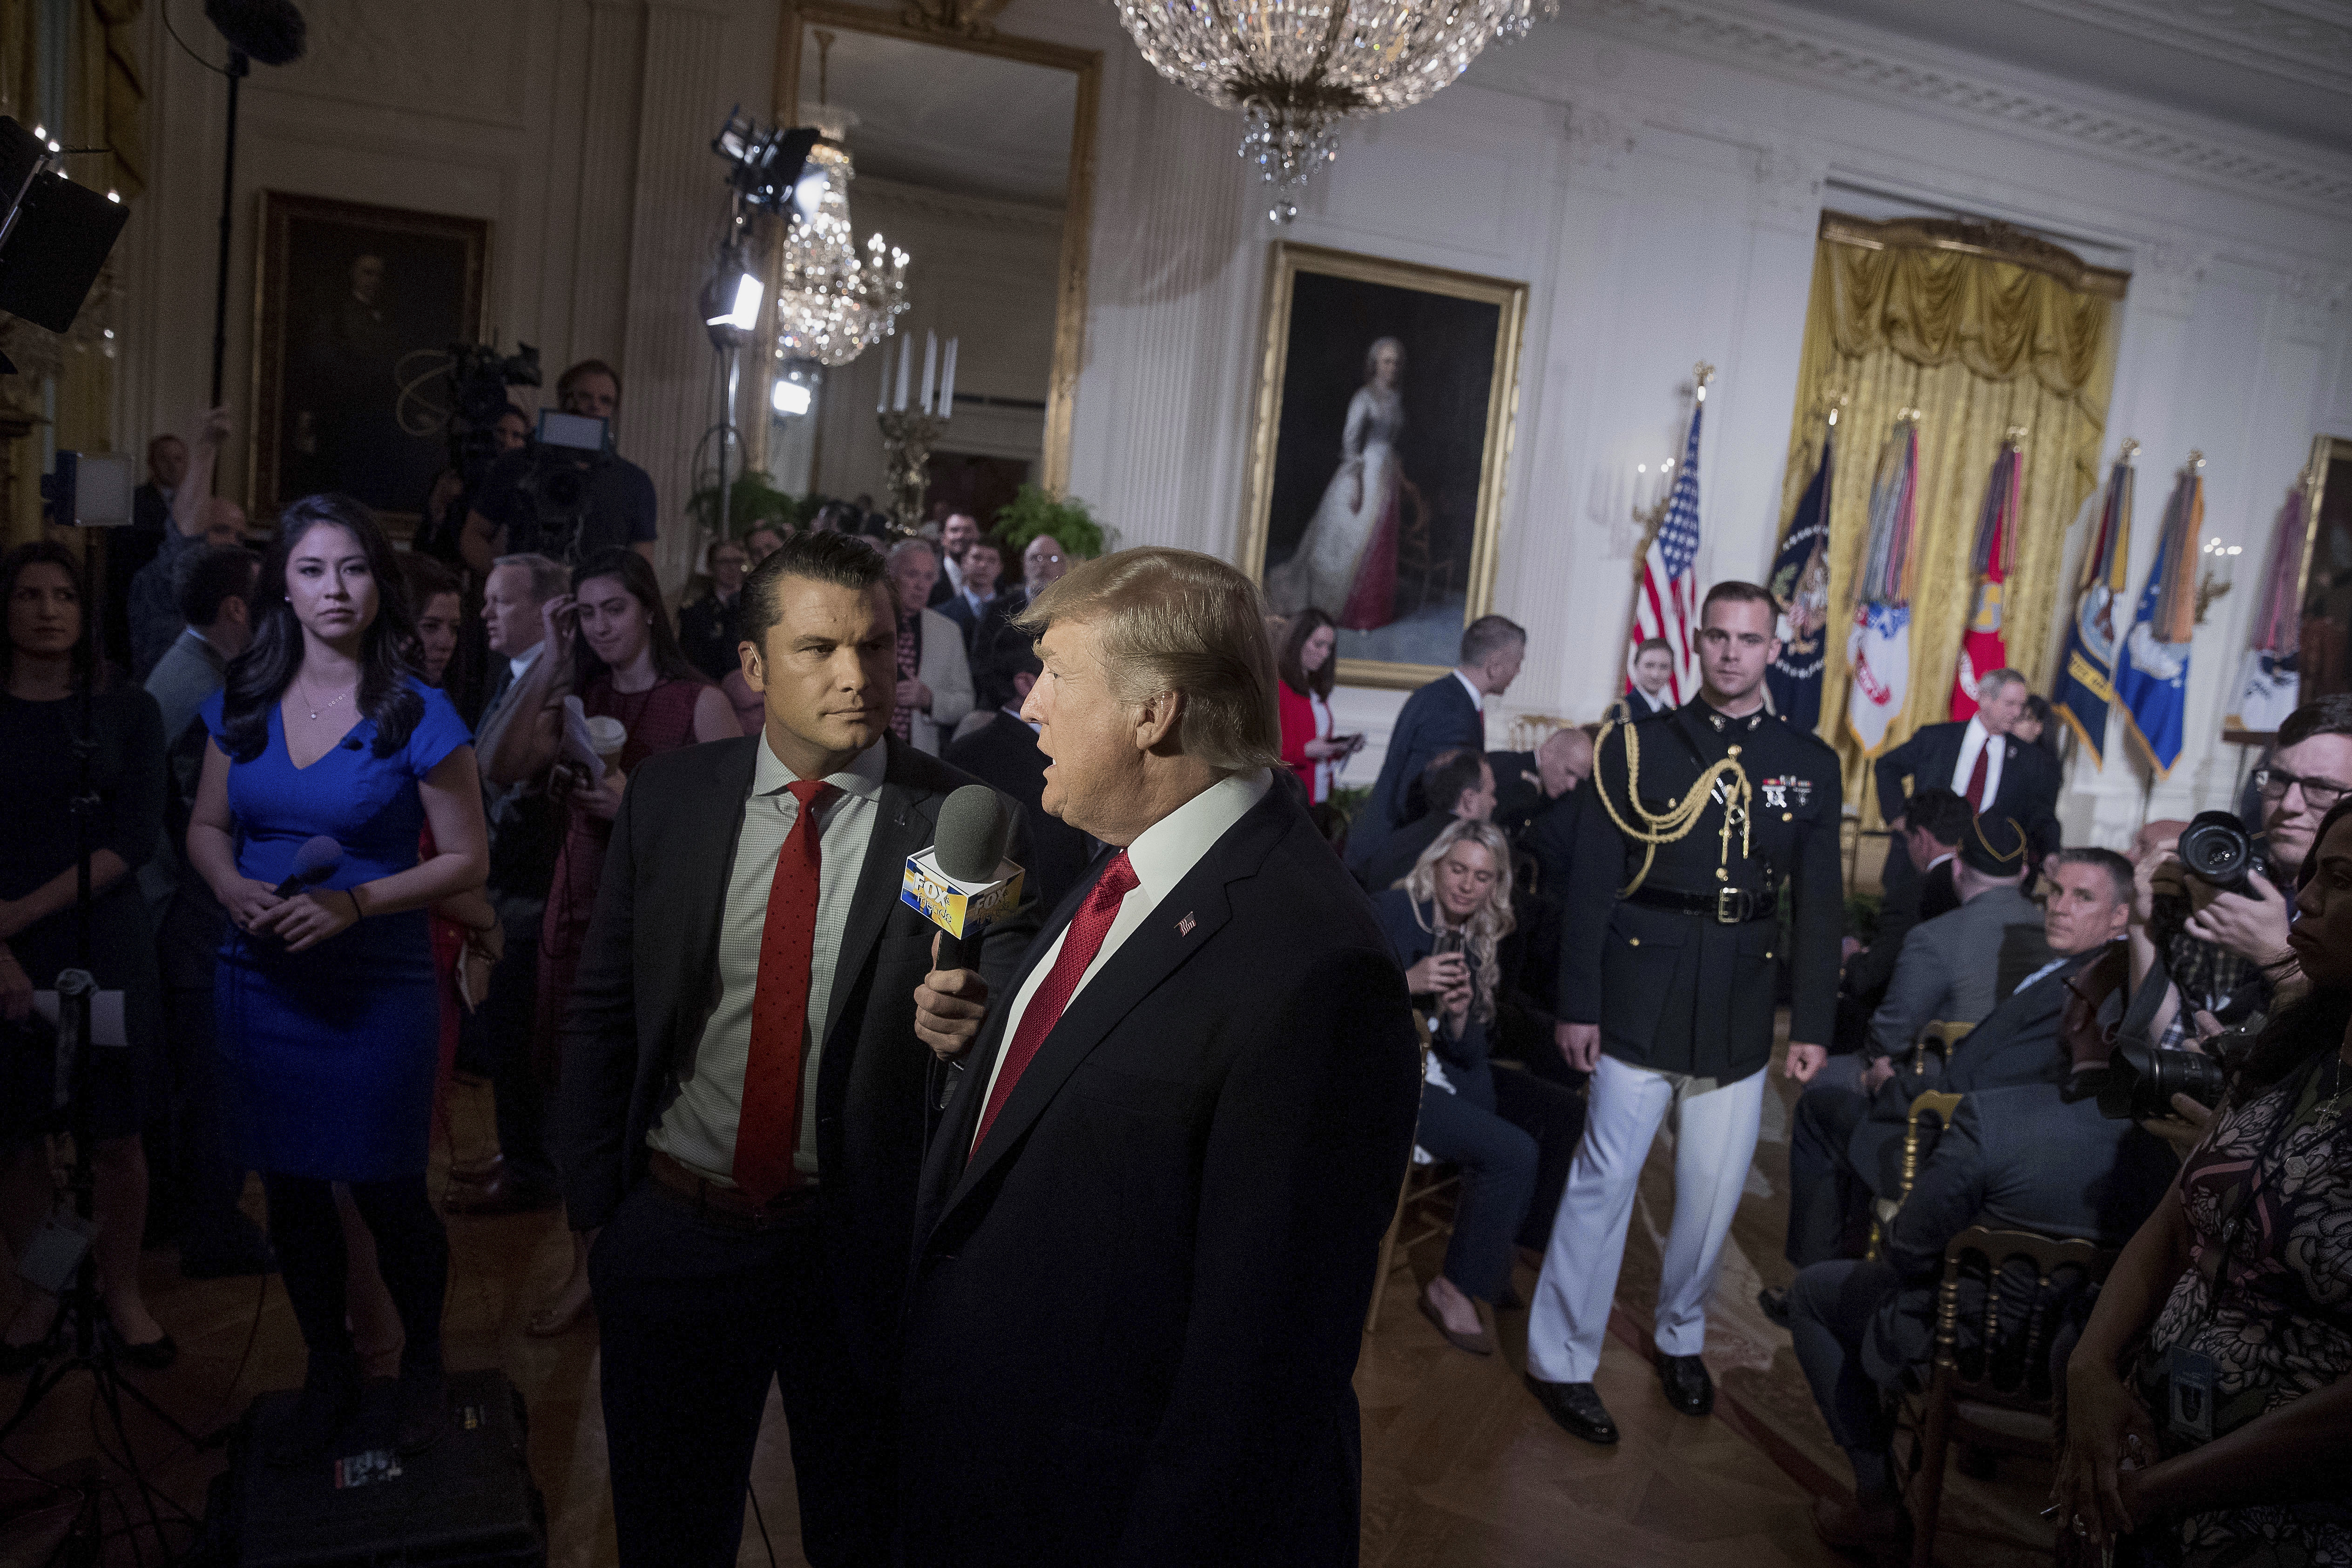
(328, 1017)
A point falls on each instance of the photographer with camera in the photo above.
(2222, 935)
(2208, 1412)
(561, 501)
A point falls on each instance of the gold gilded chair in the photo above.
(1997, 1403)
(1927, 1103)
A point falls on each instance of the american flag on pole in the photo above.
(1665, 604)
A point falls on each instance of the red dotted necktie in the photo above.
(769, 1126)
(1080, 945)
(1978, 775)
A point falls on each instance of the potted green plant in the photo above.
(751, 502)
(1033, 511)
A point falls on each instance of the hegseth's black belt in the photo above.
(1725, 906)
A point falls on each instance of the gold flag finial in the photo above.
(2195, 460)
(2014, 437)
(1701, 374)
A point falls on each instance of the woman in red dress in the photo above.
(613, 647)
(1303, 702)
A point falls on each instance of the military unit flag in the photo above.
(1878, 644)
(2152, 673)
(1800, 586)
(2086, 674)
(1982, 648)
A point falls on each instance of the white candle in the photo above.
(906, 365)
(947, 384)
(930, 370)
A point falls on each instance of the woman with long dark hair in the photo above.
(2209, 1413)
(1307, 665)
(328, 1013)
(45, 671)
(609, 642)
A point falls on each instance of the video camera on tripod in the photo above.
(478, 378)
(567, 453)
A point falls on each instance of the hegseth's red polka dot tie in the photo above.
(770, 1125)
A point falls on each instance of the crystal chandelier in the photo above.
(1295, 68)
(832, 305)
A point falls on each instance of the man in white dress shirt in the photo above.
(1149, 1217)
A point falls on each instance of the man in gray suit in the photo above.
(1950, 965)
(934, 676)
(525, 832)
(2036, 1157)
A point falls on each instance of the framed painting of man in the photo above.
(1385, 400)
(355, 311)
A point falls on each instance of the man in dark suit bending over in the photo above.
(747, 1081)
(1979, 761)
(1150, 1214)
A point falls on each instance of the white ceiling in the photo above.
(2279, 66)
(932, 115)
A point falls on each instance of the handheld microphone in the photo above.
(964, 881)
(313, 863)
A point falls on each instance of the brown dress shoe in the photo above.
(501, 1195)
(475, 1171)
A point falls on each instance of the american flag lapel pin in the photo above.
(1184, 926)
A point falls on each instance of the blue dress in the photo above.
(330, 1053)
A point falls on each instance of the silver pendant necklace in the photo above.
(311, 704)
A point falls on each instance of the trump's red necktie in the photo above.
(769, 1126)
(1080, 945)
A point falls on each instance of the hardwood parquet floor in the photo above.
(1462, 1470)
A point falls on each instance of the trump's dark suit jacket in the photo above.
(649, 978)
(1136, 1310)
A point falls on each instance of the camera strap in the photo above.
(2139, 1016)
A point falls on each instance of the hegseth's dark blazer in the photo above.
(649, 978)
(2029, 778)
(1136, 1311)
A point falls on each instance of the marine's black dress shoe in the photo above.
(1577, 1408)
(1774, 1300)
(1688, 1387)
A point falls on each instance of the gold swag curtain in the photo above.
(1978, 344)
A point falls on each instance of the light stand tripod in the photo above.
(80, 1329)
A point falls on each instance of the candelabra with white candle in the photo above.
(907, 432)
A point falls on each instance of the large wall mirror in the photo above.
(2326, 663)
(974, 154)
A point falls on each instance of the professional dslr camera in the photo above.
(2140, 1080)
(2216, 849)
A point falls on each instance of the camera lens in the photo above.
(2215, 849)
(2141, 1081)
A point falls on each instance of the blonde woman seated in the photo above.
(1512, 1134)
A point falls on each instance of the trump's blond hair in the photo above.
(1176, 620)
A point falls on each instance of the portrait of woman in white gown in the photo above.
(1344, 564)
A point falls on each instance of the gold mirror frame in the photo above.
(973, 35)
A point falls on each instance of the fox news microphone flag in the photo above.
(1983, 649)
(1800, 586)
(2152, 675)
(1878, 644)
(2087, 674)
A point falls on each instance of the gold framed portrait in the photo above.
(1386, 394)
(355, 308)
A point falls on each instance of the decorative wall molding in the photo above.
(2311, 300)
(2165, 278)
(1755, 44)
(2292, 41)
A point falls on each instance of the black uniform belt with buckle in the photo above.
(1725, 906)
